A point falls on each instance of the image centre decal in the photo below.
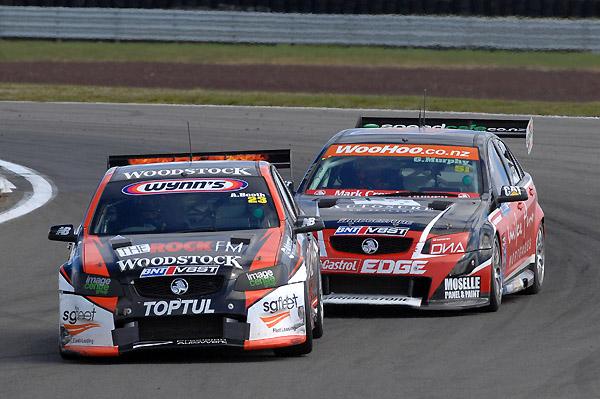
(199, 185)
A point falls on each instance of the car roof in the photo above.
(169, 170)
(409, 135)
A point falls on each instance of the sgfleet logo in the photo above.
(281, 303)
(371, 231)
(340, 265)
(388, 266)
(201, 185)
(72, 317)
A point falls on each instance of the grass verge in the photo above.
(33, 92)
(40, 50)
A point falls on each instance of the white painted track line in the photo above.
(42, 192)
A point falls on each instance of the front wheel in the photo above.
(539, 267)
(496, 279)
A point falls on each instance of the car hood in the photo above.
(449, 215)
(222, 253)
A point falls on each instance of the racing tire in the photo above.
(317, 331)
(305, 347)
(67, 355)
(539, 266)
(496, 279)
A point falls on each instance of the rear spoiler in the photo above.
(507, 128)
(280, 158)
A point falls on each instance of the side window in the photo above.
(497, 171)
(507, 157)
(285, 195)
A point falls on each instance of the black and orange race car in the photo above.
(190, 253)
(440, 215)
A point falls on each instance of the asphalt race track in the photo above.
(544, 346)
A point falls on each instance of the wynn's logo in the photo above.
(184, 186)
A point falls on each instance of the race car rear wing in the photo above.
(280, 158)
(506, 128)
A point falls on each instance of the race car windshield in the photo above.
(368, 169)
(184, 205)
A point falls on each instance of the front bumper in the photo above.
(93, 326)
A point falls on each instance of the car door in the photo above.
(506, 220)
(525, 210)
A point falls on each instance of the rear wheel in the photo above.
(539, 267)
(305, 347)
(496, 279)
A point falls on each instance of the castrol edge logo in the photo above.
(403, 150)
(200, 185)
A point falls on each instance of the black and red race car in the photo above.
(187, 252)
(431, 216)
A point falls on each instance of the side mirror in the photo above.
(290, 185)
(62, 232)
(306, 224)
(512, 194)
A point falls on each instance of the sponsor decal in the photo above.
(75, 315)
(370, 246)
(371, 231)
(100, 285)
(193, 246)
(288, 247)
(133, 250)
(511, 191)
(64, 231)
(71, 319)
(288, 329)
(178, 307)
(179, 286)
(388, 266)
(402, 150)
(202, 341)
(448, 244)
(179, 271)
(375, 207)
(74, 329)
(462, 287)
(349, 193)
(200, 185)
(395, 222)
(262, 278)
(182, 260)
(273, 320)
(187, 171)
(340, 265)
(281, 303)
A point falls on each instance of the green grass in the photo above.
(39, 50)
(32, 92)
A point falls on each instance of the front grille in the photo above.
(160, 287)
(417, 287)
(387, 245)
(180, 327)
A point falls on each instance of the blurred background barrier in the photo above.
(525, 8)
(263, 27)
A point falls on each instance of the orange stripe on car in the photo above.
(278, 342)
